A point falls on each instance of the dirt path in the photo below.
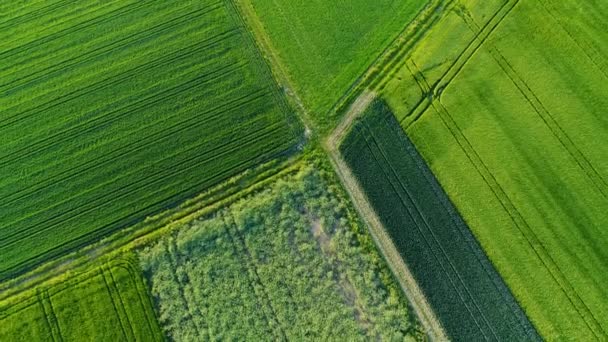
(397, 265)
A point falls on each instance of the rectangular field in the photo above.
(324, 46)
(289, 262)
(506, 101)
(112, 111)
(466, 293)
(106, 304)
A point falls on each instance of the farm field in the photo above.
(325, 46)
(505, 100)
(107, 303)
(112, 111)
(467, 295)
(288, 262)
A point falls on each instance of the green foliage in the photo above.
(327, 45)
(515, 132)
(108, 303)
(113, 111)
(287, 262)
(465, 292)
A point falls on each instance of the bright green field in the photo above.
(107, 304)
(326, 45)
(115, 110)
(288, 263)
(513, 124)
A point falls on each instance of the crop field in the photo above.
(115, 110)
(460, 284)
(289, 262)
(109, 303)
(505, 100)
(324, 46)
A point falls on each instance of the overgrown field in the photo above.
(115, 110)
(289, 262)
(109, 303)
(324, 46)
(506, 101)
(466, 293)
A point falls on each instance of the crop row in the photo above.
(107, 49)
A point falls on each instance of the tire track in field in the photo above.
(182, 282)
(471, 241)
(81, 241)
(116, 79)
(524, 228)
(548, 119)
(88, 56)
(251, 267)
(49, 315)
(109, 276)
(437, 88)
(192, 161)
(415, 215)
(418, 227)
(136, 278)
(597, 59)
(115, 306)
(104, 119)
(568, 145)
(35, 14)
(100, 19)
(263, 67)
(136, 146)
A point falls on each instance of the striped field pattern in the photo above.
(113, 110)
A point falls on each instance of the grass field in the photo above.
(109, 303)
(325, 46)
(115, 110)
(289, 262)
(460, 284)
(506, 102)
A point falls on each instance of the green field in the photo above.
(467, 295)
(289, 262)
(112, 111)
(506, 102)
(325, 46)
(108, 303)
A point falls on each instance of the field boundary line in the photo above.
(517, 218)
(429, 238)
(467, 234)
(439, 85)
(156, 224)
(139, 287)
(103, 230)
(254, 46)
(422, 309)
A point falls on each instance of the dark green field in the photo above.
(462, 287)
(506, 101)
(113, 111)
